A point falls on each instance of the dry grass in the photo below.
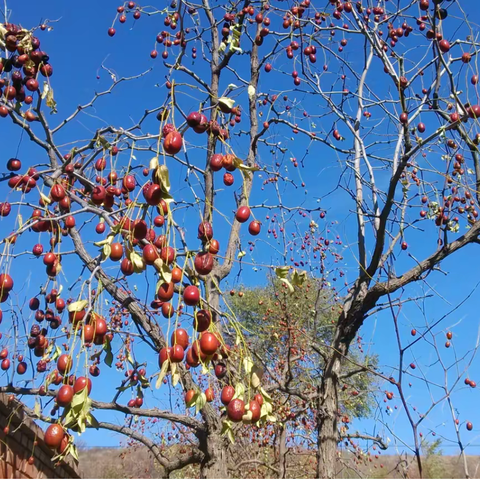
(118, 463)
(138, 463)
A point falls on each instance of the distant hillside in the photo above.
(138, 463)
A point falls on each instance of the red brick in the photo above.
(9, 455)
(8, 471)
(30, 470)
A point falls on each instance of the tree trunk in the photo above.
(214, 463)
(327, 429)
(282, 452)
(348, 324)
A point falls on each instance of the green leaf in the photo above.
(239, 391)
(265, 395)
(247, 365)
(74, 452)
(48, 94)
(175, 374)
(282, 272)
(153, 163)
(257, 374)
(105, 241)
(77, 306)
(200, 402)
(238, 162)
(228, 430)
(289, 285)
(248, 417)
(57, 353)
(92, 421)
(102, 141)
(130, 359)
(69, 417)
(163, 178)
(81, 426)
(79, 399)
(106, 251)
(247, 168)
(49, 350)
(125, 387)
(109, 356)
(164, 271)
(46, 200)
(162, 374)
(175, 379)
(226, 425)
(299, 278)
(137, 261)
(167, 198)
(143, 381)
(37, 409)
(227, 102)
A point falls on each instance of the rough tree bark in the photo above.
(350, 320)
(214, 463)
(282, 452)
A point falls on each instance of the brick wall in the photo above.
(17, 447)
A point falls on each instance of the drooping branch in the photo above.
(177, 462)
(185, 420)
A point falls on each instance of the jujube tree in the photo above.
(254, 94)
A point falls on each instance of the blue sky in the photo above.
(77, 47)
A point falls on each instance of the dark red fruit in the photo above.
(177, 353)
(163, 355)
(14, 164)
(191, 295)
(64, 363)
(254, 227)
(209, 394)
(243, 214)
(173, 143)
(216, 162)
(236, 410)
(165, 291)
(54, 435)
(64, 395)
(256, 410)
(21, 368)
(227, 394)
(204, 263)
(205, 231)
(209, 343)
(180, 337)
(202, 320)
(6, 282)
(116, 252)
(81, 383)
